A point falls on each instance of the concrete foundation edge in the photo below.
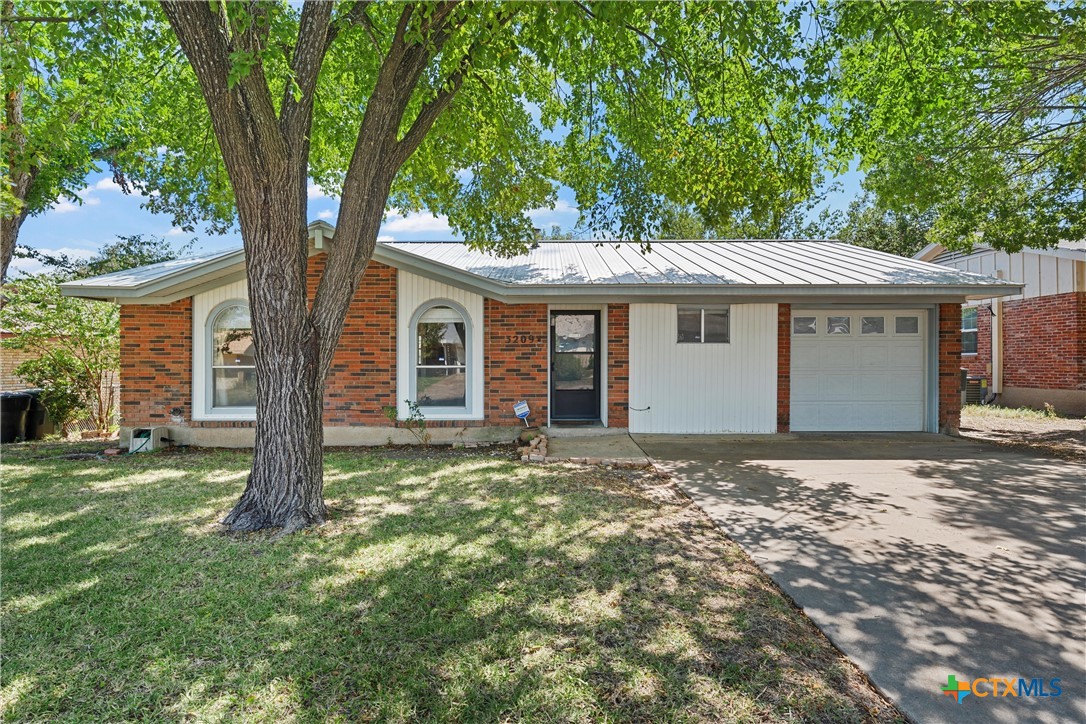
(243, 437)
(1066, 402)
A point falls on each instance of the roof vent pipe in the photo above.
(537, 236)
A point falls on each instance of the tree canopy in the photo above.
(76, 77)
(972, 111)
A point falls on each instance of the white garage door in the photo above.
(858, 370)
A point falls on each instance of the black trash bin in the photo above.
(13, 409)
(36, 417)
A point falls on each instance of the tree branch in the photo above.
(315, 35)
(431, 111)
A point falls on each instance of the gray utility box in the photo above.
(146, 439)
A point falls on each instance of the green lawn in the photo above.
(447, 587)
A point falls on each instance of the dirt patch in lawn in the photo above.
(1064, 437)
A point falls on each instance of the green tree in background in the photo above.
(897, 232)
(76, 80)
(972, 112)
(76, 344)
(127, 252)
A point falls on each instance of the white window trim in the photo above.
(472, 362)
(974, 329)
(703, 308)
(203, 409)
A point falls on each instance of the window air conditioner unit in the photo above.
(146, 439)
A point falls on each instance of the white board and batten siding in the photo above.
(1042, 274)
(703, 388)
(414, 291)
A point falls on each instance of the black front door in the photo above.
(575, 366)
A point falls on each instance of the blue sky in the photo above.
(80, 229)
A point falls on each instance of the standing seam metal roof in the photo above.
(718, 263)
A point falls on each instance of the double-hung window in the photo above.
(233, 359)
(969, 330)
(441, 359)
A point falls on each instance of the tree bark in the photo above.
(266, 157)
(285, 488)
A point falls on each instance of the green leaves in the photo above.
(75, 342)
(972, 112)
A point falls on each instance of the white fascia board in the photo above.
(929, 252)
(166, 288)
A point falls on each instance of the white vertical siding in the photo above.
(1042, 274)
(703, 388)
(414, 291)
(202, 304)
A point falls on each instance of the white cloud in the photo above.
(64, 206)
(313, 191)
(560, 207)
(107, 184)
(326, 214)
(399, 222)
(175, 231)
(20, 266)
(386, 237)
(73, 252)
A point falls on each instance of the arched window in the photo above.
(442, 344)
(233, 357)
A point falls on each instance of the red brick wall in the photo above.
(618, 362)
(156, 362)
(156, 357)
(950, 356)
(362, 378)
(515, 349)
(784, 367)
(1044, 342)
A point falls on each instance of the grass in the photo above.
(1012, 413)
(450, 587)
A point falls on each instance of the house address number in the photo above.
(523, 338)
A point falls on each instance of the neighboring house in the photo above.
(9, 360)
(1029, 348)
(693, 337)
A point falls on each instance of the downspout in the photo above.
(997, 348)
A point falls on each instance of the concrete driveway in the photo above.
(920, 556)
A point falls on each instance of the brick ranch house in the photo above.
(1029, 348)
(692, 337)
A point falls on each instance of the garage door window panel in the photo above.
(907, 325)
(805, 325)
(838, 325)
(872, 325)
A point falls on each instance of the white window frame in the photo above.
(702, 308)
(447, 413)
(210, 410)
(966, 330)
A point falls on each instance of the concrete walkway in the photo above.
(920, 556)
(595, 448)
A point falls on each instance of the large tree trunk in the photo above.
(285, 488)
(286, 485)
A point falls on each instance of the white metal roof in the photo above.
(692, 263)
(589, 270)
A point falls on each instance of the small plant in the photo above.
(415, 422)
(1050, 410)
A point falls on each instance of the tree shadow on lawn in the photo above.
(459, 588)
(975, 566)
